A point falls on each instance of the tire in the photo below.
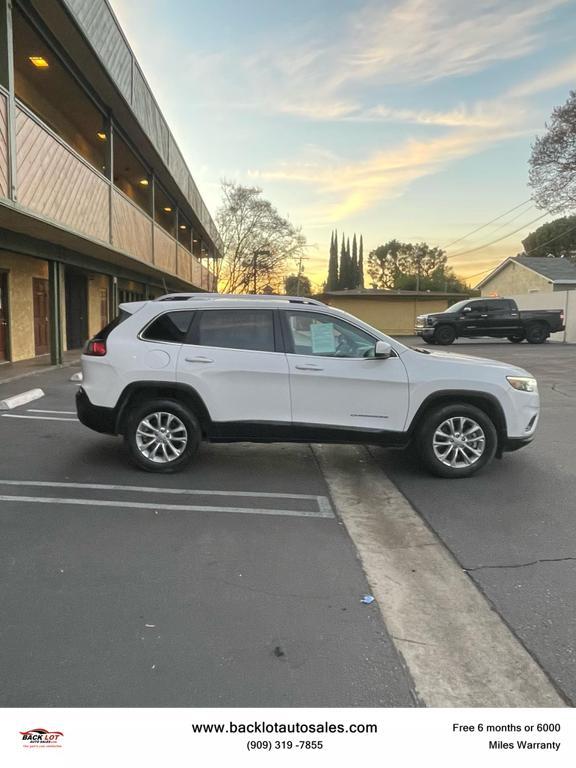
(516, 339)
(444, 335)
(537, 333)
(441, 426)
(428, 339)
(163, 418)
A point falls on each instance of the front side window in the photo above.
(131, 175)
(171, 326)
(251, 329)
(326, 336)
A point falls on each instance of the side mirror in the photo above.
(382, 349)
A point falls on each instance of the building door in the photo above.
(76, 309)
(41, 315)
(3, 317)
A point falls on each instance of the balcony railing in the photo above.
(56, 183)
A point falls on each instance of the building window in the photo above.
(131, 176)
(164, 211)
(184, 231)
(45, 85)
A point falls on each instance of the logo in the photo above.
(40, 737)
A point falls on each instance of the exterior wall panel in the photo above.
(102, 30)
(184, 266)
(177, 166)
(164, 250)
(514, 279)
(131, 229)
(56, 184)
(3, 148)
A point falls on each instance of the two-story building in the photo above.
(97, 205)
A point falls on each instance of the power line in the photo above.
(498, 239)
(464, 237)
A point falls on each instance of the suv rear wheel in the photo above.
(162, 436)
(456, 440)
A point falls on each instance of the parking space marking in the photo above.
(43, 410)
(323, 502)
(40, 418)
(168, 507)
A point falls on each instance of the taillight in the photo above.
(562, 316)
(96, 348)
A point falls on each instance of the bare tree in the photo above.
(553, 161)
(257, 241)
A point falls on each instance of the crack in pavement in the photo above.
(520, 565)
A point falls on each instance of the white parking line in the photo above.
(167, 507)
(40, 418)
(42, 410)
(323, 501)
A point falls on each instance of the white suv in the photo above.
(169, 373)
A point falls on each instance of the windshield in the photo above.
(457, 307)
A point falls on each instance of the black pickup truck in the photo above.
(499, 318)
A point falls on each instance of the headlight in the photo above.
(523, 383)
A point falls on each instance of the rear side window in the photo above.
(107, 330)
(171, 326)
(251, 329)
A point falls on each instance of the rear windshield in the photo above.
(107, 330)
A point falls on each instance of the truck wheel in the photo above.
(456, 440)
(537, 333)
(444, 334)
(162, 436)
(516, 339)
(428, 340)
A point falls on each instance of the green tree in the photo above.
(297, 285)
(332, 281)
(354, 269)
(556, 238)
(344, 269)
(361, 264)
(552, 173)
(411, 267)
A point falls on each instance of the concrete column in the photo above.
(7, 80)
(55, 298)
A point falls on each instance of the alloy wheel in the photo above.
(459, 442)
(161, 437)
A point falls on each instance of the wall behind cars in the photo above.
(565, 300)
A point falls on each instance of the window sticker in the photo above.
(323, 339)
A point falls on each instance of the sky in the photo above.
(406, 119)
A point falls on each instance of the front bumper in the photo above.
(426, 333)
(93, 416)
(509, 444)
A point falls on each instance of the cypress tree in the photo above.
(343, 276)
(332, 282)
(355, 282)
(361, 264)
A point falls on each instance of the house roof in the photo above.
(554, 269)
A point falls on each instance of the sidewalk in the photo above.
(23, 368)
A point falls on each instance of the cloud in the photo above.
(343, 188)
(562, 74)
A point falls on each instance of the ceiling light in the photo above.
(167, 209)
(101, 135)
(182, 226)
(144, 182)
(39, 61)
(194, 241)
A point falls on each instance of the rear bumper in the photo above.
(93, 416)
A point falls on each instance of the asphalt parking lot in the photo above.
(231, 584)
(513, 527)
(234, 583)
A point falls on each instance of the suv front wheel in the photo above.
(456, 440)
(162, 436)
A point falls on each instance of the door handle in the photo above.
(309, 368)
(198, 360)
(483, 315)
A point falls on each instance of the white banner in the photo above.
(83, 738)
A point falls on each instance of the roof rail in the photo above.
(247, 296)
